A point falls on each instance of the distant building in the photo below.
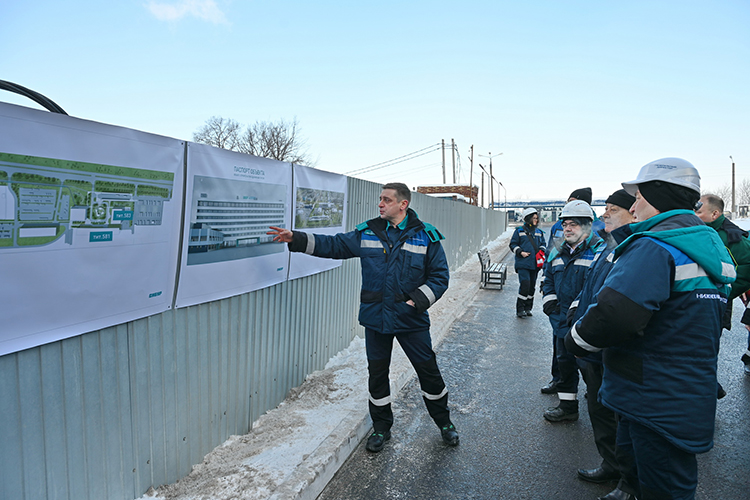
(456, 192)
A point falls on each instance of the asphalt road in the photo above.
(494, 365)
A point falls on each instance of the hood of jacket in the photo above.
(685, 231)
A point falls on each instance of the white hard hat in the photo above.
(528, 211)
(577, 209)
(671, 170)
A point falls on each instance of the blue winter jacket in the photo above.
(564, 274)
(521, 242)
(659, 316)
(595, 279)
(398, 264)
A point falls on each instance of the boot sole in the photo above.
(570, 417)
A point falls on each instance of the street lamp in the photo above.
(505, 203)
(492, 193)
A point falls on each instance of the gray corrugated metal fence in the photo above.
(108, 414)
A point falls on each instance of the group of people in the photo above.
(637, 307)
(636, 300)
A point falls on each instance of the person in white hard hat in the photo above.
(529, 248)
(658, 317)
(565, 273)
(616, 219)
(555, 240)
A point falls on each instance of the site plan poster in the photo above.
(231, 200)
(320, 208)
(89, 225)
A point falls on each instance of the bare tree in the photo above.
(219, 132)
(724, 192)
(278, 141)
(743, 192)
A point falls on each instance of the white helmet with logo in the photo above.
(671, 170)
(528, 211)
(577, 209)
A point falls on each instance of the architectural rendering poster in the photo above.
(89, 225)
(319, 207)
(231, 200)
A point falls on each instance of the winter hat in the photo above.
(621, 198)
(583, 194)
(665, 196)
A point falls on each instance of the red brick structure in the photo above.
(470, 193)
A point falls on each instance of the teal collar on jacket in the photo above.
(698, 241)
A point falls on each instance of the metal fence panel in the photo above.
(110, 413)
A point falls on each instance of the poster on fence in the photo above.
(89, 225)
(231, 200)
(320, 208)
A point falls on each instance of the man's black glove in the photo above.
(571, 314)
(550, 307)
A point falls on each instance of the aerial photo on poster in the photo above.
(46, 199)
(89, 225)
(318, 208)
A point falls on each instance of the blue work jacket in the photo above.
(398, 264)
(658, 314)
(521, 242)
(564, 274)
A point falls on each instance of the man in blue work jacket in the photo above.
(565, 273)
(404, 272)
(659, 316)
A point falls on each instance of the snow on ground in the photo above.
(743, 223)
(299, 444)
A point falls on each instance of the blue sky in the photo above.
(573, 93)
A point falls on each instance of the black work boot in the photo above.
(450, 436)
(520, 308)
(377, 440)
(567, 411)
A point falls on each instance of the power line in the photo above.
(394, 161)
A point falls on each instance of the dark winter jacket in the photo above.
(564, 274)
(659, 316)
(398, 264)
(735, 239)
(521, 242)
(598, 272)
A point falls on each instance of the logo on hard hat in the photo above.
(662, 165)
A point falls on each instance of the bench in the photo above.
(493, 274)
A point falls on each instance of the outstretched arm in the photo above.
(281, 234)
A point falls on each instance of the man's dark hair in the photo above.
(715, 202)
(402, 190)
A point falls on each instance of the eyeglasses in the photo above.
(570, 224)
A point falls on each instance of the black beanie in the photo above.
(665, 196)
(621, 198)
(583, 194)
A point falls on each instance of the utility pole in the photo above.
(443, 149)
(453, 158)
(472, 199)
(482, 189)
(491, 178)
(734, 205)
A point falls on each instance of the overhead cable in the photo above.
(395, 161)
